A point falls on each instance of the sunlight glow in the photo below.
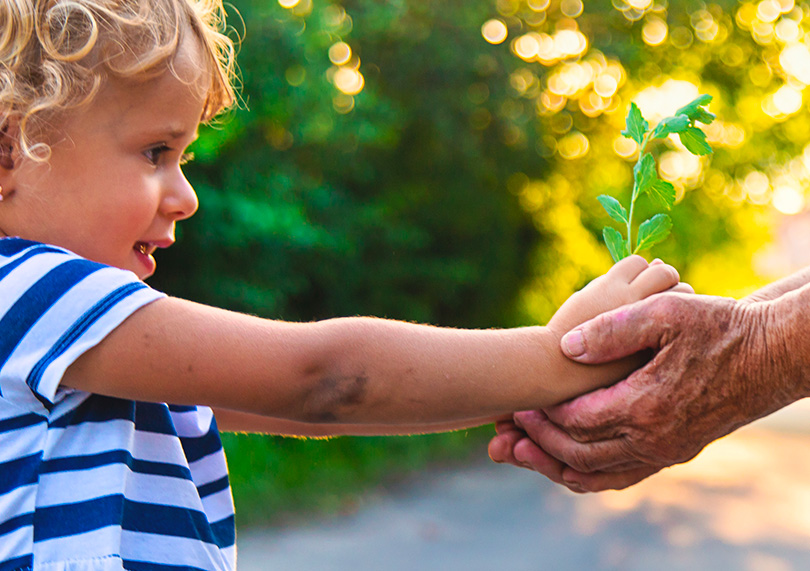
(288, 3)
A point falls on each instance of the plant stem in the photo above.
(641, 151)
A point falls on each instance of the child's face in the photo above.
(113, 188)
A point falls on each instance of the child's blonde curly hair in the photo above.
(55, 54)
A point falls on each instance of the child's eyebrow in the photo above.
(180, 133)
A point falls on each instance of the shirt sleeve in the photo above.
(54, 306)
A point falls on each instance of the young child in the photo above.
(98, 101)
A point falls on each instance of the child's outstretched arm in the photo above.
(351, 371)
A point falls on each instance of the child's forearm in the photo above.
(427, 373)
(341, 371)
(237, 421)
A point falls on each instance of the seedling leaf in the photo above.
(694, 110)
(615, 243)
(695, 141)
(671, 125)
(637, 126)
(664, 192)
(653, 231)
(614, 209)
(645, 174)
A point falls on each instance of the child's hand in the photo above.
(629, 280)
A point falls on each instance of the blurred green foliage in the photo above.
(440, 162)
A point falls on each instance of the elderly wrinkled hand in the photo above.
(716, 365)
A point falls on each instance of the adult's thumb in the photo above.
(613, 335)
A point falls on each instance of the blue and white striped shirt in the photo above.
(87, 482)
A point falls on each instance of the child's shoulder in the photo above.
(54, 306)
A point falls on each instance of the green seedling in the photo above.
(645, 175)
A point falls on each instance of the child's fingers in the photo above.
(654, 279)
(627, 269)
(682, 287)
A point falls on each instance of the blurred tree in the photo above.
(440, 162)
(390, 201)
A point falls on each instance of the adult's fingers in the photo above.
(621, 332)
(583, 457)
(531, 456)
(601, 481)
(601, 414)
(505, 425)
(501, 447)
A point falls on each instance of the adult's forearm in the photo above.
(781, 287)
(787, 340)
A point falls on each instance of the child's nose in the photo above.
(180, 200)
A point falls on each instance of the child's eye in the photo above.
(153, 154)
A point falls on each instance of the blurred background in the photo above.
(440, 161)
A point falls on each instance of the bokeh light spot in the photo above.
(571, 8)
(349, 81)
(340, 53)
(757, 186)
(343, 103)
(768, 10)
(639, 4)
(295, 75)
(788, 200)
(795, 60)
(679, 166)
(494, 31)
(624, 147)
(654, 32)
(787, 100)
(573, 146)
(788, 30)
(527, 46)
(659, 102)
(605, 85)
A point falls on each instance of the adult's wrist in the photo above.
(786, 330)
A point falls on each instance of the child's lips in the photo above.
(149, 248)
(144, 248)
(144, 251)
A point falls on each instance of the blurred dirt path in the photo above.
(743, 504)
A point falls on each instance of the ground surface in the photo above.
(743, 504)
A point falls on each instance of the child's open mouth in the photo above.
(144, 248)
